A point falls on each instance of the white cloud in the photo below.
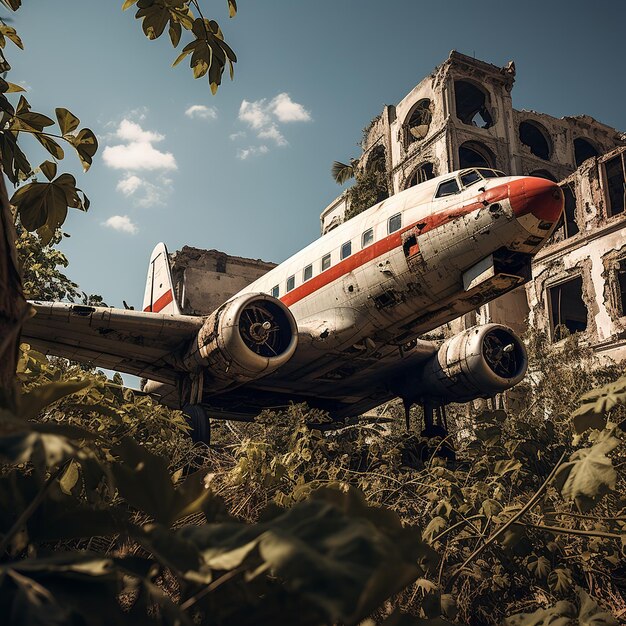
(129, 185)
(121, 223)
(238, 135)
(264, 117)
(254, 113)
(244, 153)
(272, 132)
(286, 110)
(201, 111)
(146, 194)
(132, 132)
(137, 153)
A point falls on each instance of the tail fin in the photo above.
(159, 296)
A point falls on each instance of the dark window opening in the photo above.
(447, 188)
(325, 262)
(543, 174)
(424, 172)
(616, 184)
(583, 150)
(474, 154)
(291, 283)
(275, 291)
(621, 286)
(394, 223)
(346, 250)
(367, 238)
(307, 273)
(535, 138)
(419, 122)
(567, 308)
(471, 105)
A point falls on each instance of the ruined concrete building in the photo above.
(204, 279)
(462, 116)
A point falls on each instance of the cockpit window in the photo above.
(469, 178)
(490, 173)
(447, 188)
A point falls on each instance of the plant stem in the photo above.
(574, 531)
(505, 526)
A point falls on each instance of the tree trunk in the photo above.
(13, 307)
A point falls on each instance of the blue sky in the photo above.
(248, 171)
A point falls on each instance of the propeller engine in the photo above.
(247, 337)
(477, 363)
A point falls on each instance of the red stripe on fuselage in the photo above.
(161, 303)
(389, 243)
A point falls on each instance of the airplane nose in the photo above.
(540, 197)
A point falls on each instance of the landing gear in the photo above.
(435, 427)
(199, 421)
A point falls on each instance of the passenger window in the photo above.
(469, 178)
(291, 283)
(275, 291)
(394, 223)
(325, 262)
(307, 273)
(447, 188)
(367, 238)
(346, 250)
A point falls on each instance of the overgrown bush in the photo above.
(526, 527)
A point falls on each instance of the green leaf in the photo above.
(68, 122)
(590, 614)
(50, 145)
(589, 473)
(539, 566)
(10, 33)
(560, 614)
(175, 31)
(144, 481)
(180, 57)
(435, 526)
(32, 403)
(42, 450)
(49, 169)
(372, 555)
(68, 481)
(86, 146)
(560, 579)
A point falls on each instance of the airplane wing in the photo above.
(129, 341)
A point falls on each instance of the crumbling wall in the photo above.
(205, 279)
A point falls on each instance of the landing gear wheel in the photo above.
(199, 421)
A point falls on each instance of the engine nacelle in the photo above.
(247, 337)
(477, 363)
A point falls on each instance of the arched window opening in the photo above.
(475, 154)
(535, 138)
(471, 105)
(419, 121)
(377, 161)
(424, 172)
(543, 174)
(583, 150)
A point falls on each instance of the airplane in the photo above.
(340, 324)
